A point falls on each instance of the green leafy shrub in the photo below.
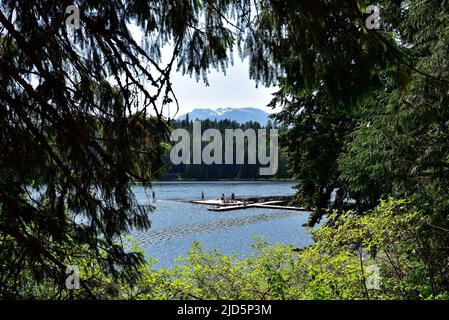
(335, 267)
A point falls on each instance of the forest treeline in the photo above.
(244, 171)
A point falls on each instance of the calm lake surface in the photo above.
(176, 223)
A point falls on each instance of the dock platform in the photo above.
(264, 205)
(216, 203)
(268, 206)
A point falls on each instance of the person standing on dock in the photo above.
(202, 195)
(222, 198)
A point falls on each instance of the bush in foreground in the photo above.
(337, 266)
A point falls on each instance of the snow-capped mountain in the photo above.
(240, 115)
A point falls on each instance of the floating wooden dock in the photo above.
(229, 208)
(216, 203)
(264, 205)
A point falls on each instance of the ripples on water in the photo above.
(176, 223)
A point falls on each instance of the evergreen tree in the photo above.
(76, 130)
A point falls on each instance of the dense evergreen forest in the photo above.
(224, 171)
(366, 105)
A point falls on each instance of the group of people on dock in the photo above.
(225, 200)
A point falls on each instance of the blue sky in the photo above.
(234, 89)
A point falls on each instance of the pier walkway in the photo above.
(219, 206)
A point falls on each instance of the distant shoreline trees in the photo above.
(223, 171)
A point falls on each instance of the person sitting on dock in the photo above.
(233, 197)
(222, 198)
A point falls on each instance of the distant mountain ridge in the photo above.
(241, 115)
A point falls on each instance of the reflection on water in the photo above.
(176, 224)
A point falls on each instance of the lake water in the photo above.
(176, 223)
